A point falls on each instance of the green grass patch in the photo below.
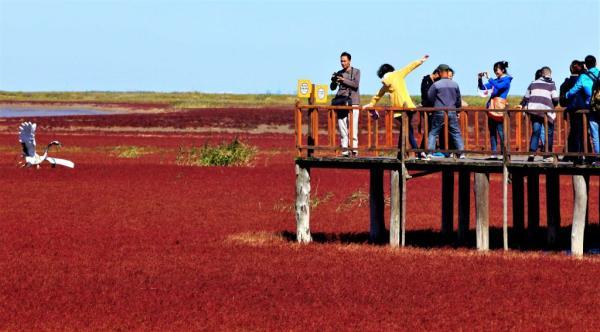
(235, 153)
(131, 152)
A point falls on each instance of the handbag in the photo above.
(497, 103)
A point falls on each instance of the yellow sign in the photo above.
(304, 88)
(321, 91)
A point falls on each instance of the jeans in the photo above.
(538, 133)
(496, 127)
(437, 124)
(343, 124)
(593, 120)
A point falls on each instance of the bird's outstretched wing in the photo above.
(62, 162)
(27, 138)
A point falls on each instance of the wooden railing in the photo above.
(380, 137)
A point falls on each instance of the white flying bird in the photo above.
(27, 139)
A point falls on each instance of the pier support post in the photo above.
(303, 204)
(395, 200)
(376, 204)
(552, 208)
(464, 205)
(518, 203)
(533, 206)
(580, 203)
(505, 206)
(447, 203)
(398, 207)
(482, 200)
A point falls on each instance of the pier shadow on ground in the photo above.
(529, 240)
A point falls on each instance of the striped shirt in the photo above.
(541, 95)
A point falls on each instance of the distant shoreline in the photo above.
(173, 101)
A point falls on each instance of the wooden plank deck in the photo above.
(475, 164)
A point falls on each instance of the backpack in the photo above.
(595, 98)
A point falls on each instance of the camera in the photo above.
(334, 76)
(483, 73)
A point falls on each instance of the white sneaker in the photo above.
(423, 155)
(427, 157)
(462, 156)
(549, 159)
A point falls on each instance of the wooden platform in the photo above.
(474, 164)
(475, 169)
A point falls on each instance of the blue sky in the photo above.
(265, 46)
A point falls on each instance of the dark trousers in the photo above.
(575, 139)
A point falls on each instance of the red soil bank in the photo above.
(147, 244)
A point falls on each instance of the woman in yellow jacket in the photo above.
(394, 84)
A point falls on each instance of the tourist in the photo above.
(575, 139)
(393, 83)
(582, 92)
(426, 83)
(540, 97)
(445, 93)
(347, 81)
(500, 87)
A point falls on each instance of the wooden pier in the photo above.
(379, 153)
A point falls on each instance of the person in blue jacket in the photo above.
(500, 87)
(581, 93)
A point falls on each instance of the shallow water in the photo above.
(19, 112)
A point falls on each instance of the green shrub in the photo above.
(235, 153)
(130, 152)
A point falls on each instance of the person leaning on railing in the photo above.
(393, 83)
(348, 94)
(445, 93)
(575, 139)
(582, 92)
(541, 97)
(500, 87)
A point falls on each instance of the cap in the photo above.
(443, 67)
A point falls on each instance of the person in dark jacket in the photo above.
(574, 140)
(445, 93)
(426, 83)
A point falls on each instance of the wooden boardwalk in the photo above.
(473, 174)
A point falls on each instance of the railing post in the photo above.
(476, 127)
(298, 127)
(311, 139)
(350, 118)
(426, 133)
